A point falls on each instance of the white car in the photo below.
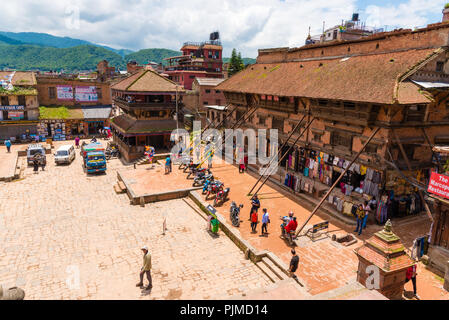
(65, 154)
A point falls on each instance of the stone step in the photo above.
(122, 186)
(117, 189)
(267, 271)
(274, 268)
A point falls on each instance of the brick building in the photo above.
(71, 106)
(396, 81)
(147, 102)
(203, 94)
(19, 104)
(198, 60)
(105, 71)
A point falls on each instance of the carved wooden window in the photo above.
(341, 139)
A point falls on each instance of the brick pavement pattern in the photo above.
(60, 222)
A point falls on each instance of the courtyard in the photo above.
(60, 223)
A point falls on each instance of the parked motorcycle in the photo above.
(202, 178)
(185, 162)
(235, 214)
(197, 171)
(206, 184)
(112, 153)
(213, 188)
(222, 196)
(288, 236)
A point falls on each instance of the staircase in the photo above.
(120, 187)
(271, 270)
(141, 161)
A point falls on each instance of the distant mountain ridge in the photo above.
(48, 40)
(45, 52)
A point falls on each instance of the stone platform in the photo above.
(152, 184)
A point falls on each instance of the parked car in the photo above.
(34, 149)
(65, 154)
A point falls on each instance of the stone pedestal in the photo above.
(383, 263)
(446, 277)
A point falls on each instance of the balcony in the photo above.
(150, 106)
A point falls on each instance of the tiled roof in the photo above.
(20, 78)
(128, 125)
(366, 78)
(209, 81)
(147, 81)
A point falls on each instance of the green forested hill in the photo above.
(155, 55)
(30, 57)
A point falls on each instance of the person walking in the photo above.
(255, 205)
(35, 164)
(411, 275)
(168, 165)
(367, 209)
(254, 221)
(360, 216)
(293, 264)
(77, 142)
(242, 165)
(265, 221)
(42, 162)
(146, 269)
(8, 145)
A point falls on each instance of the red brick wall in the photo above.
(435, 36)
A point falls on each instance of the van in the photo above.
(65, 154)
(33, 150)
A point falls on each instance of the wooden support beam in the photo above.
(279, 152)
(337, 181)
(286, 153)
(404, 155)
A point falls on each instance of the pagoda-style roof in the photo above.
(147, 81)
(385, 251)
(129, 126)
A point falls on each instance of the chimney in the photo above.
(446, 13)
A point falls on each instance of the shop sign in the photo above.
(86, 94)
(439, 185)
(16, 115)
(64, 92)
(11, 108)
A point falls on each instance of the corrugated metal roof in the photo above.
(431, 85)
(96, 112)
(209, 81)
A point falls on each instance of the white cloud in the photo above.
(246, 25)
(410, 14)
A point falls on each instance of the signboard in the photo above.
(439, 185)
(86, 94)
(320, 226)
(11, 108)
(64, 92)
(17, 115)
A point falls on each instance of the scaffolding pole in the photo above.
(245, 117)
(285, 154)
(278, 154)
(337, 181)
(404, 155)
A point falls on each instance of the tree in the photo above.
(235, 63)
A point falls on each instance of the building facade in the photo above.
(19, 106)
(148, 104)
(348, 89)
(203, 94)
(198, 60)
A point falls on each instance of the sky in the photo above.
(247, 25)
